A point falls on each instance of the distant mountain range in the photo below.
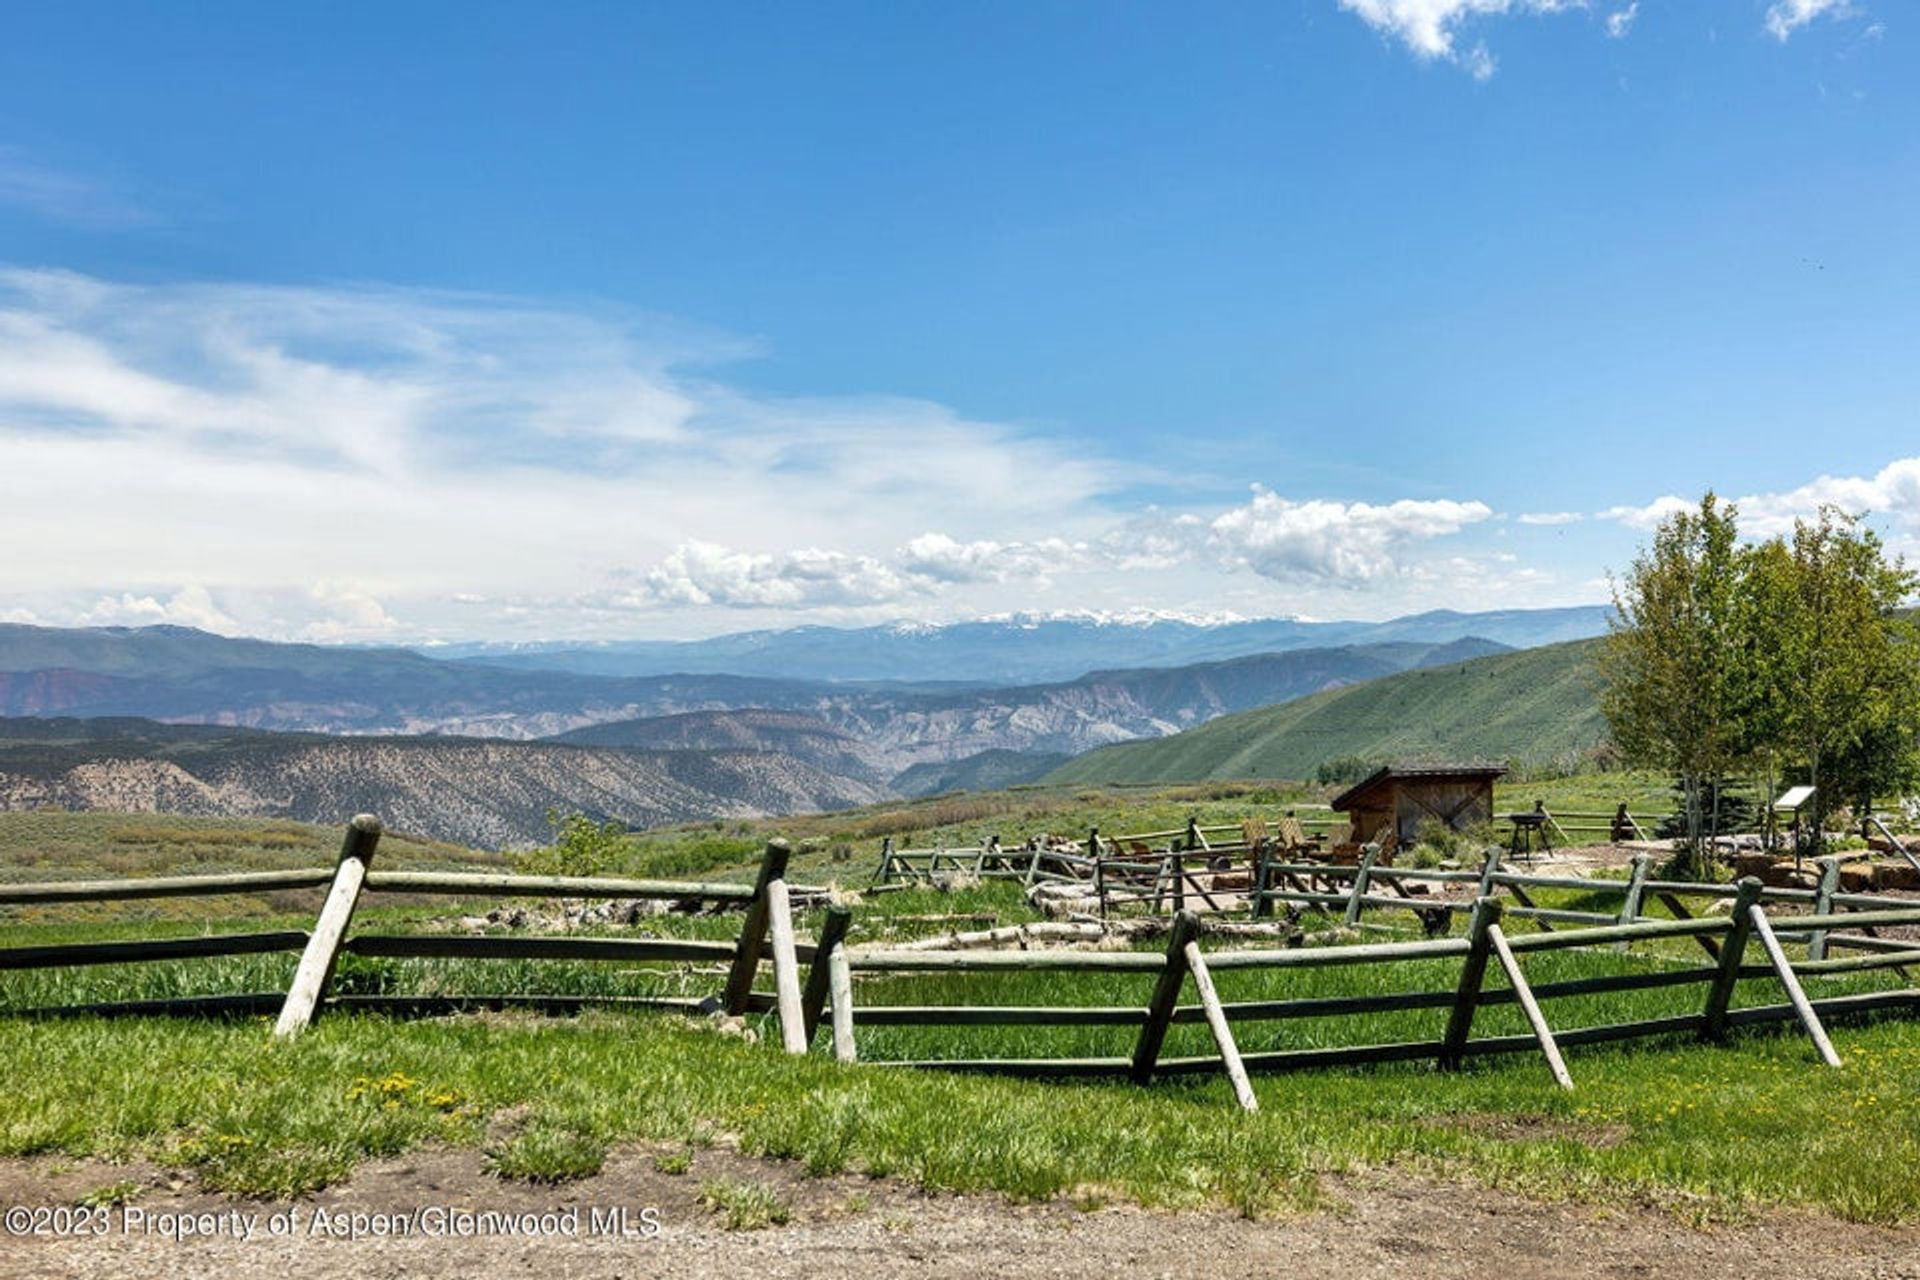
(485, 793)
(178, 674)
(477, 752)
(1533, 705)
(1019, 650)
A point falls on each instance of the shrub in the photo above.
(581, 847)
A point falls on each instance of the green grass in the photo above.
(547, 1155)
(1534, 705)
(744, 1206)
(1721, 1129)
(1714, 1130)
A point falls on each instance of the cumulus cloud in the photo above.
(1649, 514)
(702, 573)
(1430, 28)
(190, 606)
(1892, 493)
(941, 558)
(1784, 17)
(1350, 543)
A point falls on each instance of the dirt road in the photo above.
(1389, 1224)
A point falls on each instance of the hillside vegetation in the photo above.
(481, 792)
(1534, 705)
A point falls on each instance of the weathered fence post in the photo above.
(885, 874)
(814, 1001)
(840, 983)
(786, 968)
(1360, 877)
(1263, 880)
(1217, 1023)
(1796, 996)
(753, 930)
(1713, 1021)
(1523, 992)
(1473, 972)
(1823, 905)
(1033, 863)
(1488, 871)
(323, 944)
(1636, 892)
(1166, 994)
(1099, 876)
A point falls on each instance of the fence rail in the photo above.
(815, 983)
(1486, 943)
(766, 934)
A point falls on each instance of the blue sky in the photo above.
(481, 320)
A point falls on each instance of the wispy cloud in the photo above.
(1784, 17)
(1620, 21)
(1431, 28)
(1550, 517)
(360, 463)
(59, 196)
(413, 443)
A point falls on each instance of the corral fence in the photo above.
(817, 981)
(1485, 941)
(766, 933)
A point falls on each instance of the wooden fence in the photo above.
(766, 933)
(1369, 885)
(825, 989)
(1485, 941)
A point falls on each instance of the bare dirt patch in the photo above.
(1384, 1224)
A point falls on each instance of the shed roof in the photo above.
(1466, 772)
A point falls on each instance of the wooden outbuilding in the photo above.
(1404, 797)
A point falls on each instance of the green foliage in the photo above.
(744, 1206)
(1670, 660)
(547, 1155)
(1534, 704)
(1787, 654)
(581, 847)
(1342, 771)
(1849, 663)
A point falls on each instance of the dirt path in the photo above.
(1386, 1225)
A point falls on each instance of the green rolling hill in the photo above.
(1532, 705)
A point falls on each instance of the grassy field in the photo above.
(1709, 1131)
(1533, 707)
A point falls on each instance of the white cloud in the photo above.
(190, 606)
(1784, 17)
(411, 447)
(1648, 515)
(1620, 21)
(701, 573)
(1429, 28)
(1349, 543)
(1550, 517)
(941, 558)
(1892, 493)
(345, 613)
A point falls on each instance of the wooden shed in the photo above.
(1404, 797)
